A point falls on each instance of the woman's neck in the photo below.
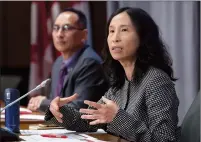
(128, 68)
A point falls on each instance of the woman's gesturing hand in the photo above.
(104, 113)
(59, 102)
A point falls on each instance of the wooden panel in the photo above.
(16, 33)
(98, 17)
(1, 28)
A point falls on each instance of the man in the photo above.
(81, 66)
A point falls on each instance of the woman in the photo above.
(141, 104)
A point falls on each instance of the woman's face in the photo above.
(123, 40)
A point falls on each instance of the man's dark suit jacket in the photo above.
(86, 78)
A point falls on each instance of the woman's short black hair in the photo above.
(151, 51)
(82, 21)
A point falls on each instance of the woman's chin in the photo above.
(117, 58)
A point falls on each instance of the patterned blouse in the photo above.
(148, 110)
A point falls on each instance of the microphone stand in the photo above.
(37, 88)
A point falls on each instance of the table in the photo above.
(24, 124)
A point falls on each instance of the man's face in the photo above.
(67, 34)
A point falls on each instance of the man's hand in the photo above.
(35, 102)
(104, 113)
(59, 102)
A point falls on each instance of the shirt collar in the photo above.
(68, 62)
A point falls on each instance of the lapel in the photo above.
(124, 97)
(56, 76)
(70, 70)
(58, 70)
(72, 67)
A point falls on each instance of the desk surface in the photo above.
(24, 124)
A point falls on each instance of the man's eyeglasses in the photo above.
(65, 28)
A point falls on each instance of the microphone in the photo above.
(43, 84)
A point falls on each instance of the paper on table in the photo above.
(55, 131)
(71, 136)
(99, 131)
(38, 132)
(22, 111)
(29, 116)
(38, 138)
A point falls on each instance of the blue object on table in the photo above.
(12, 118)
